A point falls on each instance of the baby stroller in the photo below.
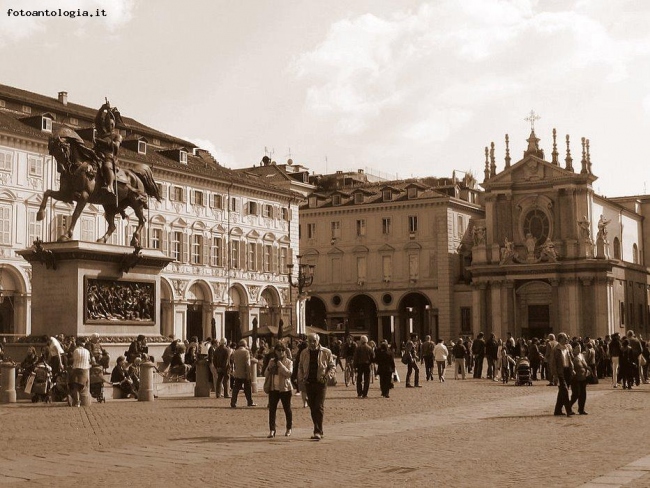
(39, 384)
(97, 383)
(60, 390)
(523, 372)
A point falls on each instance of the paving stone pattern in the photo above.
(471, 433)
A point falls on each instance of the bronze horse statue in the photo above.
(81, 182)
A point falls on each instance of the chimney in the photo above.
(63, 97)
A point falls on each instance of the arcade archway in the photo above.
(236, 314)
(316, 313)
(270, 312)
(415, 317)
(198, 300)
(362, 316)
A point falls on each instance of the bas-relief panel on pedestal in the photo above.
(119, 302)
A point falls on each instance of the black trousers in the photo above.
(276, 396)
(363, 379)
(246, 383)
(316, 401)
(478, 366)
(563, 393)
(579, 393)
(385, 380)
(428, 366)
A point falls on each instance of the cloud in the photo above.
(15, 28)
(423, 74)
(223, 157)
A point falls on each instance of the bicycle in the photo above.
(349, 372)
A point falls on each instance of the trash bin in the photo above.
(202, 386)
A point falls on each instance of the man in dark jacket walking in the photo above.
(478, 351)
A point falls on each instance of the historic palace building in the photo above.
(231, 234)
(386, 254)
(536, 252)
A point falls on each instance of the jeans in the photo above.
(363, 379)
(246, 383)
(413, 366)
(441, 369)
(563, 394)
(316, 401)
(285, 397)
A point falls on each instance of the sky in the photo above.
(400, 88)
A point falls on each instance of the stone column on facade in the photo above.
(509, 319)
(22, 313)
(380, 328)
(586, 327)
(555, 305)
(497, 315)
(573, 313)
(600, 309)
(481, 324)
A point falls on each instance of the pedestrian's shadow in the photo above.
(224, 439)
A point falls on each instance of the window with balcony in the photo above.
(234, 254)
(268, 253)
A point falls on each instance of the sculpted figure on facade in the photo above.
(530, 246)
(548, 252)
(602, 228)
(508, 252)
(584, 224)
(478, 233)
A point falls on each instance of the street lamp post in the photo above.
(304, 280)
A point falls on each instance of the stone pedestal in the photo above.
(146, 391)
(80, 288)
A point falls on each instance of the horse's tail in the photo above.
(145, 174)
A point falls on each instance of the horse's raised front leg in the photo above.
(109, 215)
(56, 195)
(81, 204)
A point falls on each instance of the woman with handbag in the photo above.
(277, 385)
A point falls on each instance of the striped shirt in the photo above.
(81, 358)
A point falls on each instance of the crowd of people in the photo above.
(309, 368)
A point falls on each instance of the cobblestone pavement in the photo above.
(458, 433)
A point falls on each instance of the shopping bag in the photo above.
(30, 383)
(395, 377)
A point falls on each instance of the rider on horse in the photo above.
(107, 143)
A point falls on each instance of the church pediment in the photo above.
(527, 170)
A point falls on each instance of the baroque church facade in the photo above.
(552, 255)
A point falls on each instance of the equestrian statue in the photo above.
(93, 176)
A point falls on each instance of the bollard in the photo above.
(202, 386)
(7, 382)
(85, 397)
(146, 392)
(253, 376)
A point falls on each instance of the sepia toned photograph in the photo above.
(373, 243)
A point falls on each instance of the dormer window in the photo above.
(27, 109)
(412, 192)
(73, 121)
(336, 199)
(46, 124)
(358, 197)
(387, 195)
(142, 147)
(182, 157)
